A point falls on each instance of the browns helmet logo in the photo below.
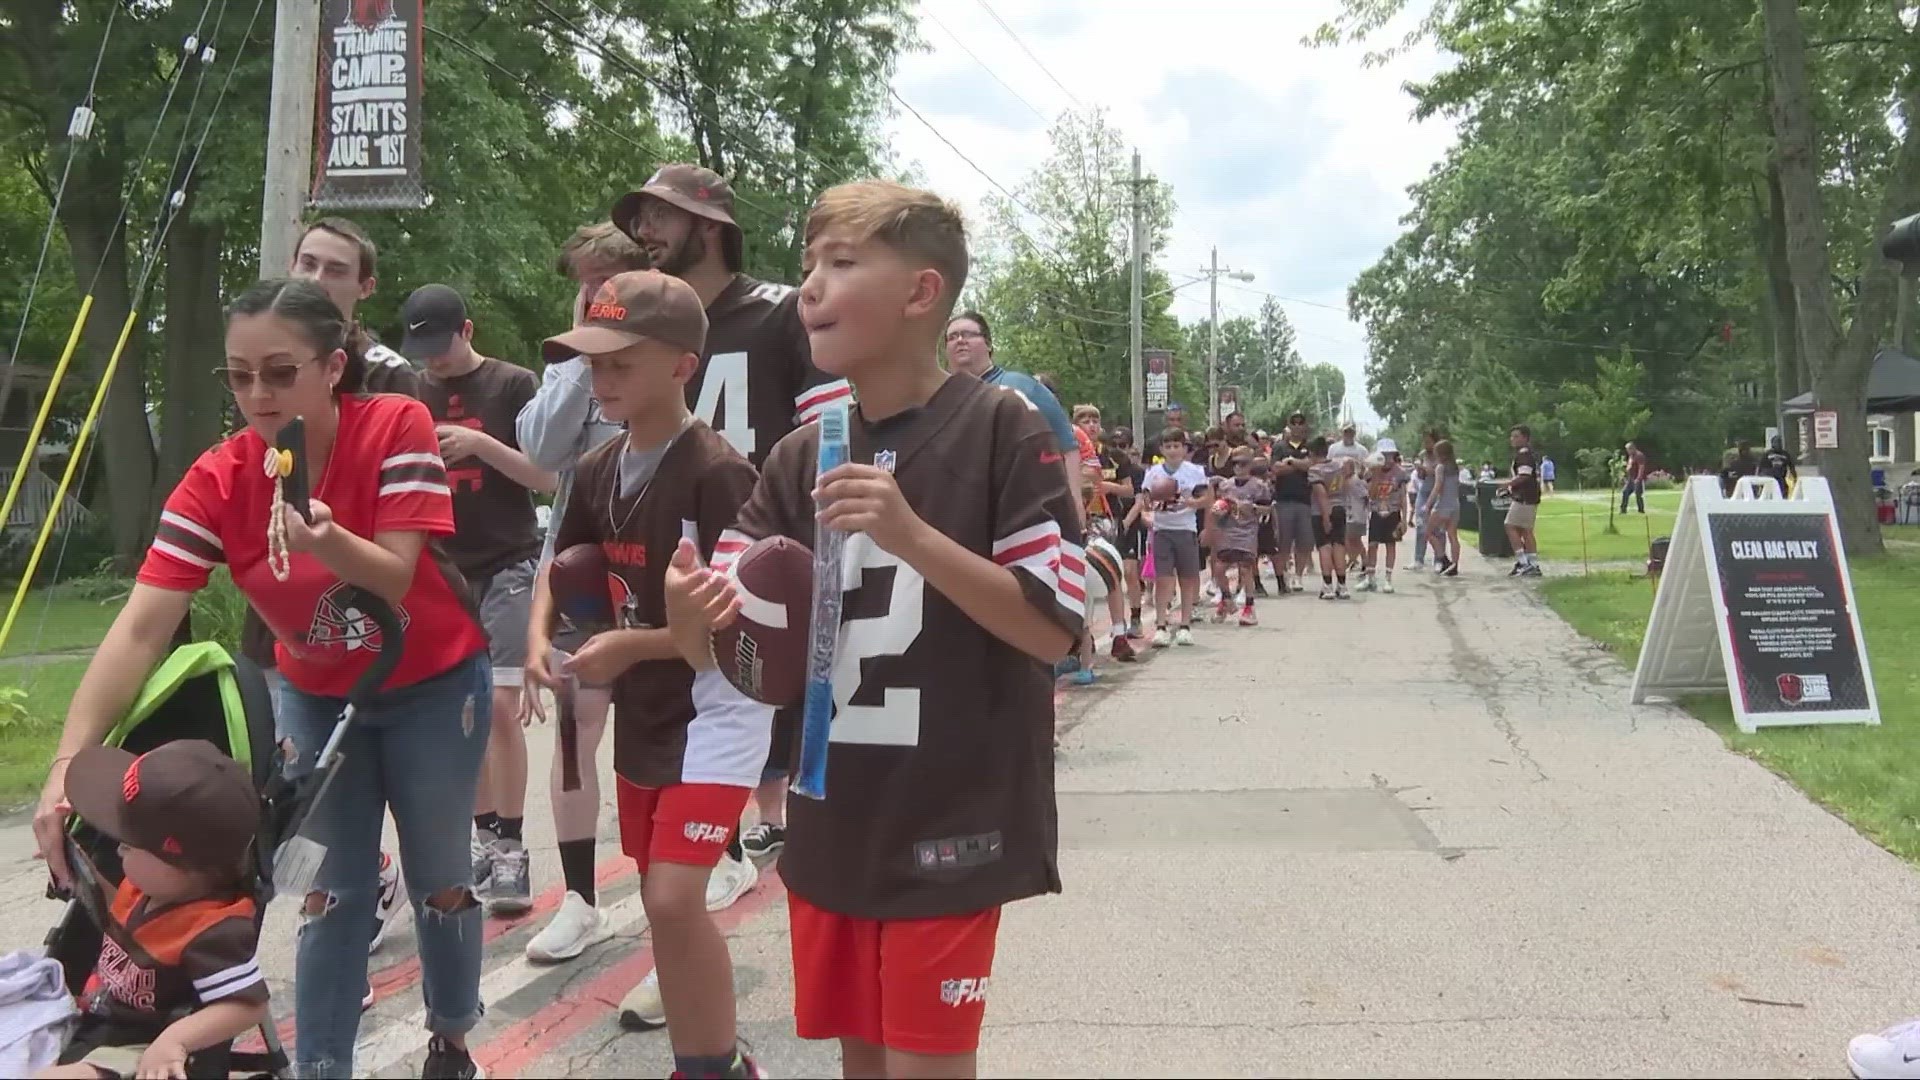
(626, 606)
(1792, 689)
(338, 622)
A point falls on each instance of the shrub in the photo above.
(1660, 480)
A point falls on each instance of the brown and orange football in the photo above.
(763, 652)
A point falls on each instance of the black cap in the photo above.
(433, 314)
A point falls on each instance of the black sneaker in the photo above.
(1515, 572)
(765, 839)
(1441, 564)
(1452, 570)
(1531, 570)
(446, 1061)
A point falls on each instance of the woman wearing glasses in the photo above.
(379, 493)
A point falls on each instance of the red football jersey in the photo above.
(384, 475)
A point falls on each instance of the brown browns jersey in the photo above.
(757, 381)
(940, 776)
(197, 953)
(1525, 486)
(668, 727)
(493, 518)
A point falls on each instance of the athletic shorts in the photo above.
(1233, 556)
(1521, 515)
(687, 824)
(504, 599)
(1176, 552)
(1132, 543)
(1294, 527)
(1383, 528)
(916, 985)
(1334, 531)
(1268, 539)
(1356, 523)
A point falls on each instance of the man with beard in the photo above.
(755, 384)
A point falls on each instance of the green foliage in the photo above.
(1604, 413)
(13, 707)
(218, 613)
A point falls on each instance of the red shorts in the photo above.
(918, 985)
(688, 824)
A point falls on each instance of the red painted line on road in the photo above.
(398, 977)
(520, 1046)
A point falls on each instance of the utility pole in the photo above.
(296, 48)
(1137, 375)
(1213, 340)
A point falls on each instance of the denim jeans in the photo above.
(1419, 527)
(1635, 489)
(418, 751)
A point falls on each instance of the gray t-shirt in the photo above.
(1239, 528)
(1445, 496)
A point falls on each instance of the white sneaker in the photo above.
(1386, 586)
(730, 881)
(572, 930)
(1894, 1054)
(641, 1009)
(1183, 636)
(391, 899)
(1161, 638)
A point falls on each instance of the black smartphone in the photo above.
(293, 486)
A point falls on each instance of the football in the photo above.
(763, 652)
(1163, 488)
(580, 581)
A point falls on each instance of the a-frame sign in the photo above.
(1756, 599)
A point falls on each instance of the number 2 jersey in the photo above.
(757, 381)
(940, 772)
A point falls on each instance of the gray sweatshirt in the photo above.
(558, 426)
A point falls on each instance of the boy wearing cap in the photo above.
(183, 935)
(966, 580)
(1387, 512)
(688, 748)
(495, 545)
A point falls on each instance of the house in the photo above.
(1893, 413)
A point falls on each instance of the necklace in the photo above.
(613, 486)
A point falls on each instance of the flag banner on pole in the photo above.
(367, 108)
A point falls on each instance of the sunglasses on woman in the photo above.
(272, 376)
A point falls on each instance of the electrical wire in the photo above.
(1030, 54)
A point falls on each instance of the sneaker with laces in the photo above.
(1893, 1054)
(1517, 568)
(1386, 586)
(574, 928)
(446, 1061)
(510, 892)
(1183, 635)
(1531, 570)
(732, 878)
(1247, 617)
(641, 1009)
(1123, 650)
(480, 851)
(1327, 593)
(1452, 570)
(1162, 638)
(1441, 564)
(765, 839)
(389, 902)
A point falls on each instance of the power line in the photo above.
(988, 68)
(1030, 54)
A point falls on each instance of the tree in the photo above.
(1279, 347)
(1606, 413)
(1056, 284)
(1240, 357)
(1316, 391)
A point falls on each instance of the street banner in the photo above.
(367, 108)
(1757, 600)
(1159, 365)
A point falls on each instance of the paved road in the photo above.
(1419, 834)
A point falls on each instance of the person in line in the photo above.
(1740, 463)
(1327, 478)
(1242, 497)
(756, 383)
(1387, 513)
(1423, 479)
(892, 955)
(1546, 475)
(1523, 486)
(1132, 538)
(688, 748)
(969, 341)
(380, 493)
(555, 429)
(1349, 453)
(1442, 508)
(1292, 505)
(1176, 539)
(1635, 483)
(1780, 465)
(495, 545)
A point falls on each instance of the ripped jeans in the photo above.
(418, 750)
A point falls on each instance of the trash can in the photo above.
(1469, 513)
(1491, 503)
(1657, 555)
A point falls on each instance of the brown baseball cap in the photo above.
(696, 190)
(629, 307)
(185, 802)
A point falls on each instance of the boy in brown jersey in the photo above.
(688, 748)
(965, 581)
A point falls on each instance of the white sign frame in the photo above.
(1826, 430)
(1689, 645)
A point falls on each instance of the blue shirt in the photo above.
(1040, 398)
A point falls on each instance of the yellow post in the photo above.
(40, 418)
(1581, 495)
(66, 478)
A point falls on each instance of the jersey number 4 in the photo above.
(725, 386)
(895, 721)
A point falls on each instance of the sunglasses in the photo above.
(273, 376)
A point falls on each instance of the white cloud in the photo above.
(1294, 160)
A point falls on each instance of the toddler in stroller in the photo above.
(169, 861)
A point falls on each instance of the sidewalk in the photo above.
(1465, 854)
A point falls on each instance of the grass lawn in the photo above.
(1864, 774)
(30, 724)
(1565, 513)
(76, 617)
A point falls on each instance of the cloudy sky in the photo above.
(1295, 161)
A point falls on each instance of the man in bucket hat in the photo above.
(756, 382)
(180, 934)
